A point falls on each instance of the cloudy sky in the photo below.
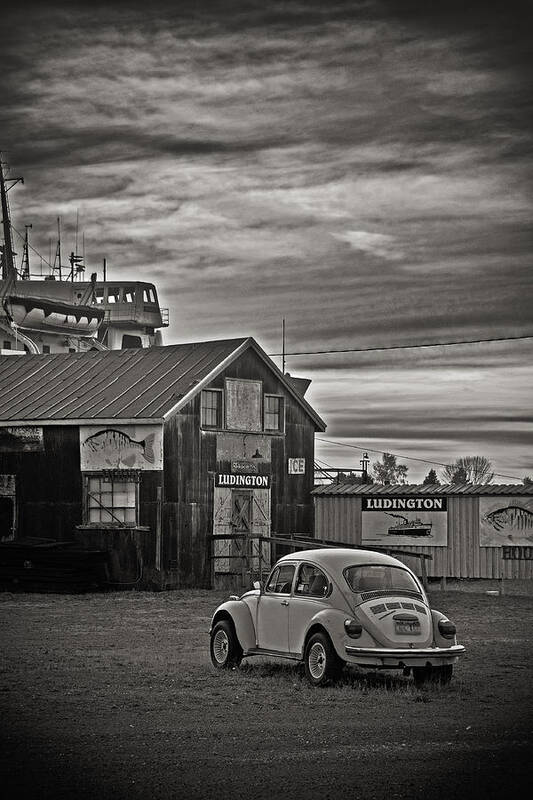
(359, 169)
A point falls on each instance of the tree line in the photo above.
(466, 469)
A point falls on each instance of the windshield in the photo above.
(376, 577)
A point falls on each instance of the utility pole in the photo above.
(283, 346)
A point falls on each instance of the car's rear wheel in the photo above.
(225, 649)
(430, 674)
(321, 662)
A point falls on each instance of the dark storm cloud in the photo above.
(362, 170)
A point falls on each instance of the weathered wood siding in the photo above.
(340, 518)
(190, 465)
(48, 485)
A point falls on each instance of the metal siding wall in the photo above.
(517, 569)
(340, 519)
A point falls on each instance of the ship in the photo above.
(62, 311)
(409, 527)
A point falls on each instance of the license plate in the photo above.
(408, 627)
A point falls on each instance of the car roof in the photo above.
(342, 557)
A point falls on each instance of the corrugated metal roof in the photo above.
(116, 384)
(431, 489)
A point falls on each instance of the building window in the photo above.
(211, 408)
(273, 413)
(111, 501)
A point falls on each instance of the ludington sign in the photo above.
(404, 504)
(229, 480)
(414, 520)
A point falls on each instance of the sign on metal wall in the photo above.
(505, 521)
(517, 553)
(407, 520)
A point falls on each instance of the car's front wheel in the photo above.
(436, 675)
(321, 662)
(225, 649)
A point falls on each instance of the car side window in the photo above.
(280, 582)
(311, 582)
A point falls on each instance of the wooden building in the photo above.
(471, 531)
(146, 453)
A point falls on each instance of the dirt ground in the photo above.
(113, 696)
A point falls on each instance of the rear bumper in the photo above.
(403, 656)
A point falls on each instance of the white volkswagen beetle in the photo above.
(332, 607)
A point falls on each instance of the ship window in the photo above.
(149, 295)
(46, 348)
(7, 345)
(211, 408)
(129, 295)
(111, 501)
(99, 295)
(113, 294)
(131, 341)
(273, 413)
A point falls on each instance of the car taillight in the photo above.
(447, 628)
(353, 628)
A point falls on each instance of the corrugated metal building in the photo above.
(149, 452)
(471, 531)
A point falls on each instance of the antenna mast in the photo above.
(8, 262)
(25, 266)
(57, 257)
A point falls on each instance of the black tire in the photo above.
(225, 649)
(321, 662)
(435, 675)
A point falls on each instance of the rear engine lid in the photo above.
(397, 621)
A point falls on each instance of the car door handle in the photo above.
(284, 602)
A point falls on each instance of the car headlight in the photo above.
(447, 628)
(353, 628)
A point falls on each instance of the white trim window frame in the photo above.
(271, 413)
(215, 413)
(111, 501)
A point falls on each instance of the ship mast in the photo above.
(8, 263)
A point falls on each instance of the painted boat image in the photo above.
(409, 527)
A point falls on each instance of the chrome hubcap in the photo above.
(220, 646)
(317, 661)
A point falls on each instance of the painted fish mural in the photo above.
(514, 517)
(121, 446)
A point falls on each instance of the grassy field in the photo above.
(113, 696)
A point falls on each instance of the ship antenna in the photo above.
(25, 266)
(8, 262)
(57, 257)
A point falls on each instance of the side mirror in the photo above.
(257, 585)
